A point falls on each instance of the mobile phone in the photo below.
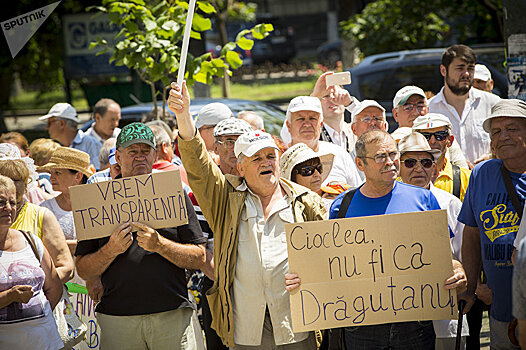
(343, 78)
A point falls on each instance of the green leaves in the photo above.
(233, 60)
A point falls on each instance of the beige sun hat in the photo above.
(416, 142)
(300, 153)
(69, 158)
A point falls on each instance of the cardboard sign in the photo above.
(371, 270)
(156, 200)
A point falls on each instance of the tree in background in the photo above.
(391, 25)
(233, 10)
(151, 36)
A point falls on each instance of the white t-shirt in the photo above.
(30, 325)
(343, 168)
(65, 218)
(467, 128)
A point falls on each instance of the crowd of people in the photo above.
(223, 280)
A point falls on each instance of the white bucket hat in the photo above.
(300, 153)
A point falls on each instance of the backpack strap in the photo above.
(31, 242)
(456, 180)
(346, 202)
(519, 208)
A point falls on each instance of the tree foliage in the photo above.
(151, 38)
(389, 25)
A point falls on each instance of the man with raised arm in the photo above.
(247, 214)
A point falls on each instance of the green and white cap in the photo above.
(135, 133)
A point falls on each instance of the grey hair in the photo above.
(105, 151)
(70, 123)
(240, 158)
(256, 119)
(161, 136)
(370, 137)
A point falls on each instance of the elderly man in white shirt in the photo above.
(466, 108)
(304, 123)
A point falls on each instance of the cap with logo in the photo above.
(62, 110)
(300, 153)
(416, 142)
(232, 126)
(304, 103)
(430, 121)
(212, 114)
(404, 93)
(135, 133)
(511, 108)
(482, 73)
(366, 104)
(252, 142)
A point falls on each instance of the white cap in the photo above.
(212, 114)
(252, 142)
(363, 105)
(300, 153)
(304, 103)
(62, 110)
(430, 121)
(404, 93)
(416, 142)
(482, 73)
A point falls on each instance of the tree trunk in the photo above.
(223, 38)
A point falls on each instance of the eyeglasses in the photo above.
(228, 143)
(409, 107)
(382, 158)
(370, 120)
(439, 135)
(308, 170)
(410, 162)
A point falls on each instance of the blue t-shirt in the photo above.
(488, 207)
(403, 198)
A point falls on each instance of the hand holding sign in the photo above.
(179, 99)
(292, 281)
(120, 239)
(147, 238)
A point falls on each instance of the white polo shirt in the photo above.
(344, 169)
(467, 128)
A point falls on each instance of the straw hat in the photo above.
(69, 158)
(300, 153)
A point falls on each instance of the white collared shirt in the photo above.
(343, 169)
(467, 128)
(91, 131)
(259, 281)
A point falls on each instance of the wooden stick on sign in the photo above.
(186, 39)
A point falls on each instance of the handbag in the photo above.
(70, 328)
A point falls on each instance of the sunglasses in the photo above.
(410, 162)
(308, 170)
(439, 135)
